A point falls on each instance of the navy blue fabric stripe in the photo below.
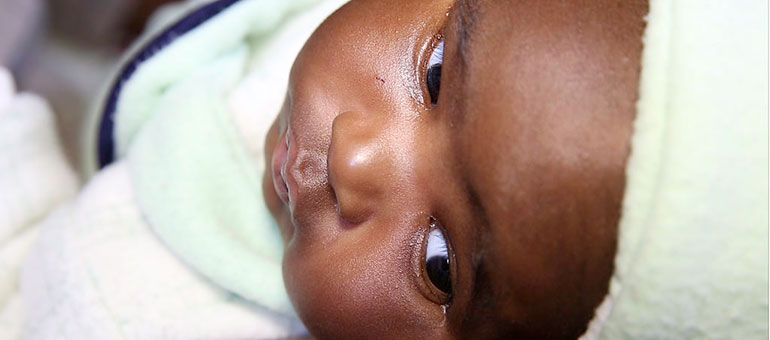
(106, 141)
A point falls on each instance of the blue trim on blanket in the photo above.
(106, 142)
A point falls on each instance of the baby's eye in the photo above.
(433, 75)
(437, 260)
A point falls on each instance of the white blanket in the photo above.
(34, 178)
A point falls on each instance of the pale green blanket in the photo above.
(199, 188)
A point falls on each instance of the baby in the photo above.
(479, 199)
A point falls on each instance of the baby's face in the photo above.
(477, 199)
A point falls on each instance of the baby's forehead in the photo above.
(541, 111)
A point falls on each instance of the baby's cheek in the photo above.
(356, 292)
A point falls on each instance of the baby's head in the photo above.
(477, 198)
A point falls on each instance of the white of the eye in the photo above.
(437, 57)
(436, 245)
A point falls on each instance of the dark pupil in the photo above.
(434, 82)
(438, 272)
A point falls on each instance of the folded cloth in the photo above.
(34, 178)
(692, 254)
(171, 238)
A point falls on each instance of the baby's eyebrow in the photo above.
(467, 17)
(463, 25)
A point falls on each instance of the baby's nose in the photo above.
(361, 164)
